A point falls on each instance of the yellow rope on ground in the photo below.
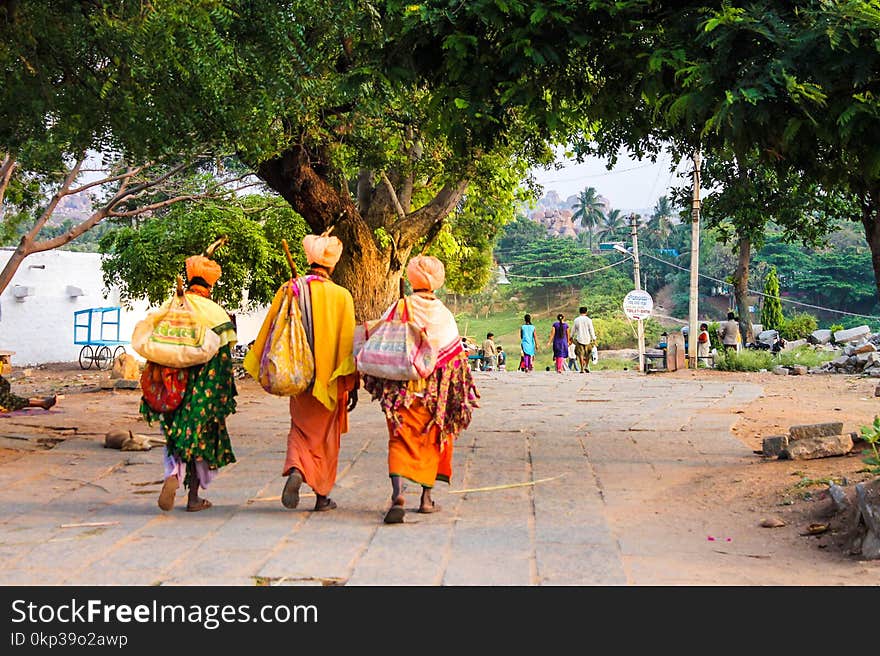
(506, 487)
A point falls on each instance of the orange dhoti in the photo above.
(415, 453)
(314, 439)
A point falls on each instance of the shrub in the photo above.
(798, 326)
(806, 356)
(746, 360)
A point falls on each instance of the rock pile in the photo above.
(809, 441)
(859, 351)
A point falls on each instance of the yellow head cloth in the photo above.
(325, 251)
(425, 272)
(199, 266)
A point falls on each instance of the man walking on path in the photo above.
(583, 336)
(490, 353)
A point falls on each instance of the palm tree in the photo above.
(660, 223)
(588, 210)
(612, 225)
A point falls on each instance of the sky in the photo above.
(630, 185)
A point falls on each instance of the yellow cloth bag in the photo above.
(287, 365)
(176, 335)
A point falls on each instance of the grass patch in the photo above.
(751, 360)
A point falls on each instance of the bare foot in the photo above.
(430, 507)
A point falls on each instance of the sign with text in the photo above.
(638, 304)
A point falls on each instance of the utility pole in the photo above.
(693, 330)
(637, 278)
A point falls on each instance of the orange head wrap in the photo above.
(325, 251)
(199, 266)
(425, 272)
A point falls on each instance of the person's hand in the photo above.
(352, 400)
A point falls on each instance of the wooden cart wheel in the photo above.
(102, 357)
(86, 357)
(119, 350)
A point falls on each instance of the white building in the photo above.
(37, 307)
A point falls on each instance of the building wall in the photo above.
(39, 326)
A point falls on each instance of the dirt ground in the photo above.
(791, 491)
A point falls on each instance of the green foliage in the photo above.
(771, 308)
(798, 326)
(145, 261)
(745, 360)
(871, 435)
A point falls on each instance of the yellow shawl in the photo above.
(333, 324)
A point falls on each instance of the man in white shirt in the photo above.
(583, 335)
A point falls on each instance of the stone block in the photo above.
(851, 334)
(810, 448)
(125, 383)
(801, 431)
(839, 498)
(867, 347)
(773, 445)
(780, 370)
(821, 336)
(868, 499)
(793, 344)
(797, 370)
(841, 361)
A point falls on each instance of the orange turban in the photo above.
(325, 251)
(199, 266)
(426, 272)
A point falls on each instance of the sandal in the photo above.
(169, 490)
(426, 510)
(329, 504)
(203, 504)
(290, 495)
(396, 512)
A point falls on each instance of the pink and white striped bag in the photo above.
(394, 349)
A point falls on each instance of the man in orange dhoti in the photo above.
(319, 416)
(425, 416)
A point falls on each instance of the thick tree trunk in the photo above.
(369, 270)
(871, 222)
(741, 289)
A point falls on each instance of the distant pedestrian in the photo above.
(559, 339)
(502, 359)
(703, 345)
(572, 363)
(584, 338)
(729, 333)
(528, 342)
(490, 353)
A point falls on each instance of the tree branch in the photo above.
(53, 204)
(6, 170)
(122, 176)
(397, 206)
(417, 224)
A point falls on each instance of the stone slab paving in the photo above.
(544, 482)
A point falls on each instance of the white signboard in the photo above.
(638, 304)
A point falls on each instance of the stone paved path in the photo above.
(591, 451)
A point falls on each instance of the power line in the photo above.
(570, 275)
(757, 293)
